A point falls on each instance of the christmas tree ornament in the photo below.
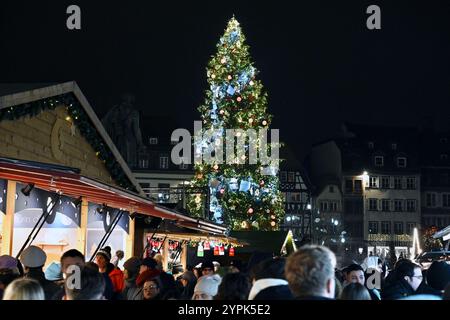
(251, 82)
(250, 120)
(264, 123)
(213, 76)
(239, 99)
(250, 211)
(222, 111)
(273, 223)
(229, 77)
(223, 61)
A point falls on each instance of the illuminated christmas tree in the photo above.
(244, 194)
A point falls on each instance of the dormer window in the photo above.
(379, 161)
(401, 162)
(393, 146)
(370, 144)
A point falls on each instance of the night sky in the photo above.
(317, 60)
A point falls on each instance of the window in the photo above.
(144, 185)
(385, 205)
(153, 140)
(379, 161)
(358, 186)
(431, 200)
(373, 205)
(373, 227)
(331, 189)
(143, 163)
(370, 144)
(374, 182)
(283, 176)
(411, 183)
(411, 205)
(398, 205)
(291, 177)
(334, 206)
(348, 185)
(385, 227)
(410, 228)
(163, 162)
(393, 146)
(324, 206)
(163, 192)
(398, 182)
(446, 200)
(401, 162)
(398, 227)
(385, 182)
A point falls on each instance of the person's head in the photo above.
(354, 274)
(6, 277)
(151, 289)
(33, 258)
(53, 272)
(159, 261)
(131, 268)
(102, 259)
(234, 286)
(9, 263)
(197, 272)
(207, 268)
(187, 277)
(355, 291)
(148, 263)
(236, 266)
(91, 286)
(120, 254)
(269, 268)
(310, 271)
(24, 289)
(438, 275)
(410, 272)
(206, 288)
(71, 257)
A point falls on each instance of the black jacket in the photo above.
(50, 288)
(281, 292)
(396, 289)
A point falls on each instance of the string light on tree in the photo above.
(235, 81)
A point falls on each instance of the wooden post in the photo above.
(82, 230)
(129, 252)
(165, 254)
(183, 258)
(8, 219)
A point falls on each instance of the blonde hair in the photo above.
(24, 289)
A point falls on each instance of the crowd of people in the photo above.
(310, 273)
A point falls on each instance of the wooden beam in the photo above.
(8, 219)
(129, 252)
(82, 230)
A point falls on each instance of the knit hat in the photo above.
(53, 272)
(105, 253)
(7, 262)
(133, 264)
(208, 285)
(438, 275)
(33, 257)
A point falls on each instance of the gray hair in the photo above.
(24, 289)
(309, 269)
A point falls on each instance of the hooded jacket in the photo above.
(270, 289)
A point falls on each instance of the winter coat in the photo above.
(50, 288)
(116, 277)
(396, 289)
(131, 291)
(270, 289)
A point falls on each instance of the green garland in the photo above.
(82, 122)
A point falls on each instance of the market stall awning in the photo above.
(444, 234)
(188, 236)
(68, 182)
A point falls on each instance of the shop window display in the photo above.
(99, 220)
(60, 231)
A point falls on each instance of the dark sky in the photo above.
(317, 60)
